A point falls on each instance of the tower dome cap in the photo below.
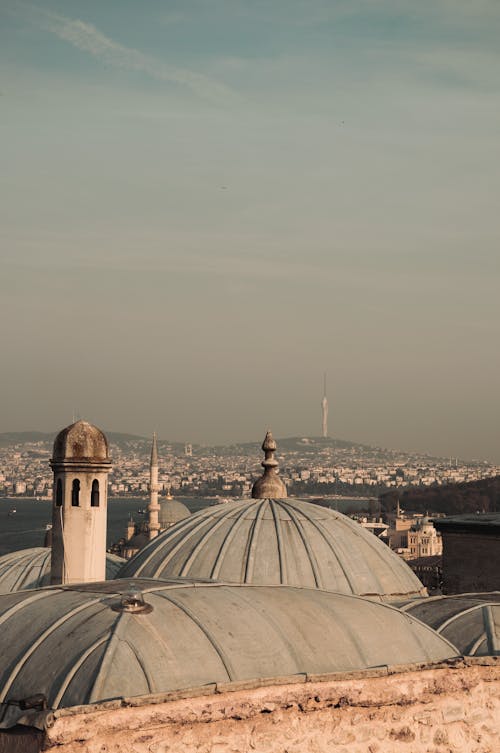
(81, 441)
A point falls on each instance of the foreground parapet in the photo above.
(83, 644)
(278, 541)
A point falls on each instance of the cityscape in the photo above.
(308, 465)
(252, 249)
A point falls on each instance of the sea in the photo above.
(23, 521)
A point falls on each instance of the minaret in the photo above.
(324, 410)
(153, 507)
(269, 486)
(81, 464)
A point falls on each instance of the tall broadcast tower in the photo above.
(324, 410)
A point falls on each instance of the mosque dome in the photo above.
(87, 643)
(81, 442)
(278, 541)
(470, 621)
(30, 568)
(171, 512)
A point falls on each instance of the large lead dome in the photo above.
(278, 541)
(96, 641)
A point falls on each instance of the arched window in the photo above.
(94, 495)
(75, 493)
(59, 493)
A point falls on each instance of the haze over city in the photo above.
(206, 205)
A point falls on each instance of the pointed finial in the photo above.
(269, 486)
(154, 451)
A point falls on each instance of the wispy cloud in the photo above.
(88, 38)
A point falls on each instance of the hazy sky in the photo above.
(207, 203)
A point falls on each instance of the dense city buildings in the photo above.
(308, 466)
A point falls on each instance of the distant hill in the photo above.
(452, 499)
(21, 437)
(303, 445)
(298, 444)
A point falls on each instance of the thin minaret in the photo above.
(153, 507)
(324, 410)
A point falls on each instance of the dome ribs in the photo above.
(218, 523)
(226, 661)
(295, 519)
(279, 541)
(75, 669)
(314, 523)
(249, 558)
(144, 556)
(219, 560)
(118, 635)
(41, 638)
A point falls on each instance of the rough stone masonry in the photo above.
(450, 708)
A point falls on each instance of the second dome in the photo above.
(278, 541)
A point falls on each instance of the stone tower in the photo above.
(153, 507)
(81, 464)
(269, 485)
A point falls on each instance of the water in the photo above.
(26, 528)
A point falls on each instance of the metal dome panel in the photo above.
(470, 621)
(285, 541)
(30, 568)
(79, 644)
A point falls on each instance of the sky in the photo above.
(205, 204)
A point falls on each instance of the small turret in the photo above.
(269, 486)
(81, 464)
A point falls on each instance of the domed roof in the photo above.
(470, 621)
(288, 541)
(81, 442)
(30, 568)
(171, 511)
(83, 644)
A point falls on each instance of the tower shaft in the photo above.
(154, 507)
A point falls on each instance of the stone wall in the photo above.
(471, 562)
(450, 708)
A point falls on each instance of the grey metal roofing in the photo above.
(171, 511)
(69, 644)
(470, 621)
(285, 541)
(30, 568)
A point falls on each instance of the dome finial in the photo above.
(269, 486)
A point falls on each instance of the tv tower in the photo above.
(324, 410)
